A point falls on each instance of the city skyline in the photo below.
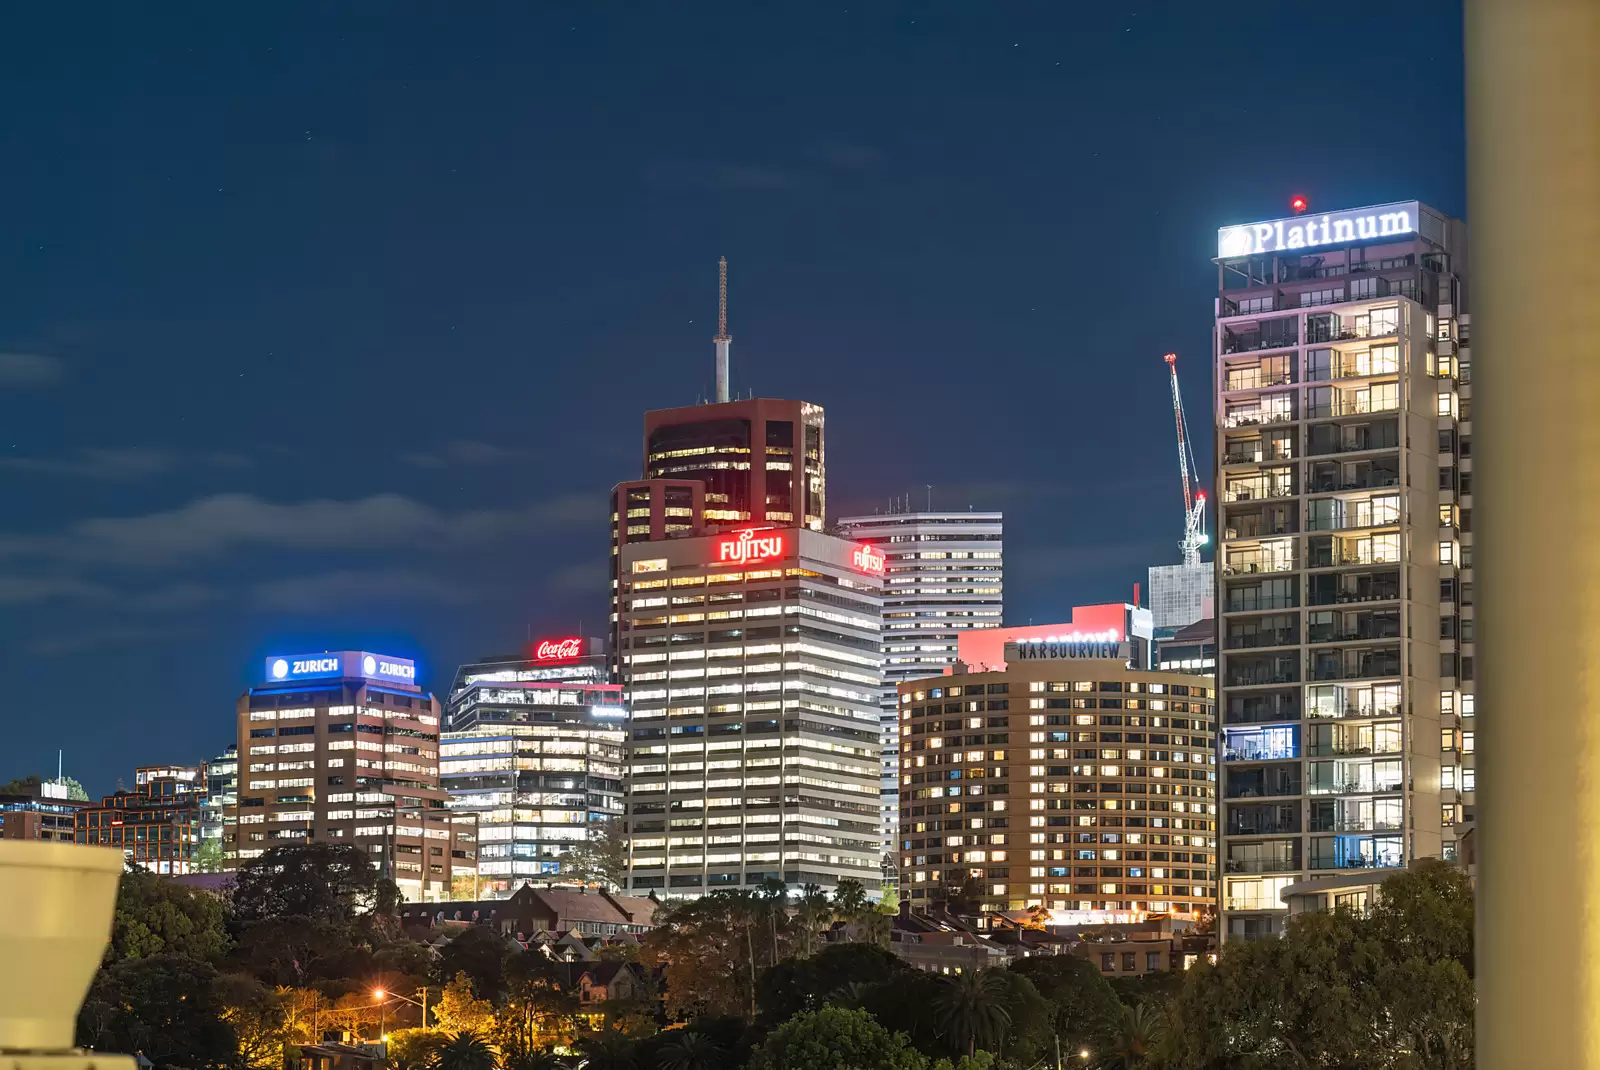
(216, 457)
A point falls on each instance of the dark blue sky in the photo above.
(329, 326)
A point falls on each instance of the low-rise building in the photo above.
(157, 824)
(40, 813)
(531, 910)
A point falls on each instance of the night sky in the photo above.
(330, 326)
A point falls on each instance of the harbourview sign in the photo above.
(1091, 646)
(1310, 232)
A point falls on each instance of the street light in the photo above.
(379, 993)
(1084, 1054)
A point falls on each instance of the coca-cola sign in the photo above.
(748, 547)
(558, 649)
(868, 560)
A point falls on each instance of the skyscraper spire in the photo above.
(723, 338)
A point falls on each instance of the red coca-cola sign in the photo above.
(558, 649)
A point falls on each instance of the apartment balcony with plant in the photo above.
(1254, 336)
(1260, 409)
(1344, 588)
(1262, 447)
(1329, 364)
(1347, 626)
(1361, 663)
(1323, 402)
(1259, 373)
(1352, 326)
(1334, 551)
(1374, 473)
(1352, 513)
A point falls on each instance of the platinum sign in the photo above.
(1312, 231)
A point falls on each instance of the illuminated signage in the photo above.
(558, 650)
(868, 560)
(748, 547)
(1310, 232)
(1078, 646)
(654, 564)
(346, 663)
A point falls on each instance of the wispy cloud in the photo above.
(119, 463)
(23, 371)
(29, 590)
(345, 589)
(109, 635)
(462, 453)
(213, 526)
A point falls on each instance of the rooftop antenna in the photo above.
(723, 338)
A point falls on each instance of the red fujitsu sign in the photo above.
(868, 560)
(748, 547)
(558, 649)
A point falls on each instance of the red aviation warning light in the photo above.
(1299, 204)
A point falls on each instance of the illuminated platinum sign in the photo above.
(1310, 232)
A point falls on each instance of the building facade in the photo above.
(750, 666)
(43, 812)
(533, 747)
(222, 793)
(343, 747)
(1067, 782)
(1343, 602)
(157, 824)
(1181, 594)
(944, 574)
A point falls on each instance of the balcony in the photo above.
(1263, 709)
(1253, 343)
(1261, 825)
(1246, 565)
(1261, 865)
(1258, 490)
(1356, 787)
(1376, 479)
(1257, 417)
(1353, 709)
(1371, 628)
(1255, 452)
(1267, 637)
(1256, 379)
(1348, 749)
(1254, 677)
(1355, 665)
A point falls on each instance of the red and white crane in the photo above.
(1194, 499)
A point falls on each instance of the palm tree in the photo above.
(464, 1051)
(774, 896)
(851, 996)
(532, 1059)
(691, 1051)
(813, 910)
(849, 899)
(607, 1051)
(1132, 1037)
(973, 1006)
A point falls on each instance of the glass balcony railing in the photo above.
(1261, 865)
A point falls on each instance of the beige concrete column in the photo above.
(1533, 133)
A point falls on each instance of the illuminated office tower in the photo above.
(944, 575)
(1344, 601)
(533, 746)
(750, 665)
(343, 747)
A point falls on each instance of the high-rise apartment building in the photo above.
(1343, 479)
(157, 824)
(222, 793)
(944, 574)
(343, 747)
(750, 664)
(1067, 781)
(533, 746)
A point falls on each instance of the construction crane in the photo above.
(1194, 499)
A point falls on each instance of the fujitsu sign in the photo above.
(748, 547)
(1310, 232)
(558, 650)
(867, 559)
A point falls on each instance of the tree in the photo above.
(156, 917)
(413, 1049)
(1392, 989)
(708, 948)
(832, 1037)
(210, 858)
(796, 985)
(1080, 1000)
(813, 913)
(459, 1011)
(602, 858)
(1130, 1041)
(608, 1051)
(161, 1006)
(259, 1020)
(31, 785)
(480, 953)
(464, 1051)
(690, 1051)
(320, 881)
(298, 951)
(973, 1007)
(849, 899)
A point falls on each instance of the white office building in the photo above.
(750, 665)
(944, 575)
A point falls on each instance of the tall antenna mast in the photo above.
(723, 338)
(1194, 499)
